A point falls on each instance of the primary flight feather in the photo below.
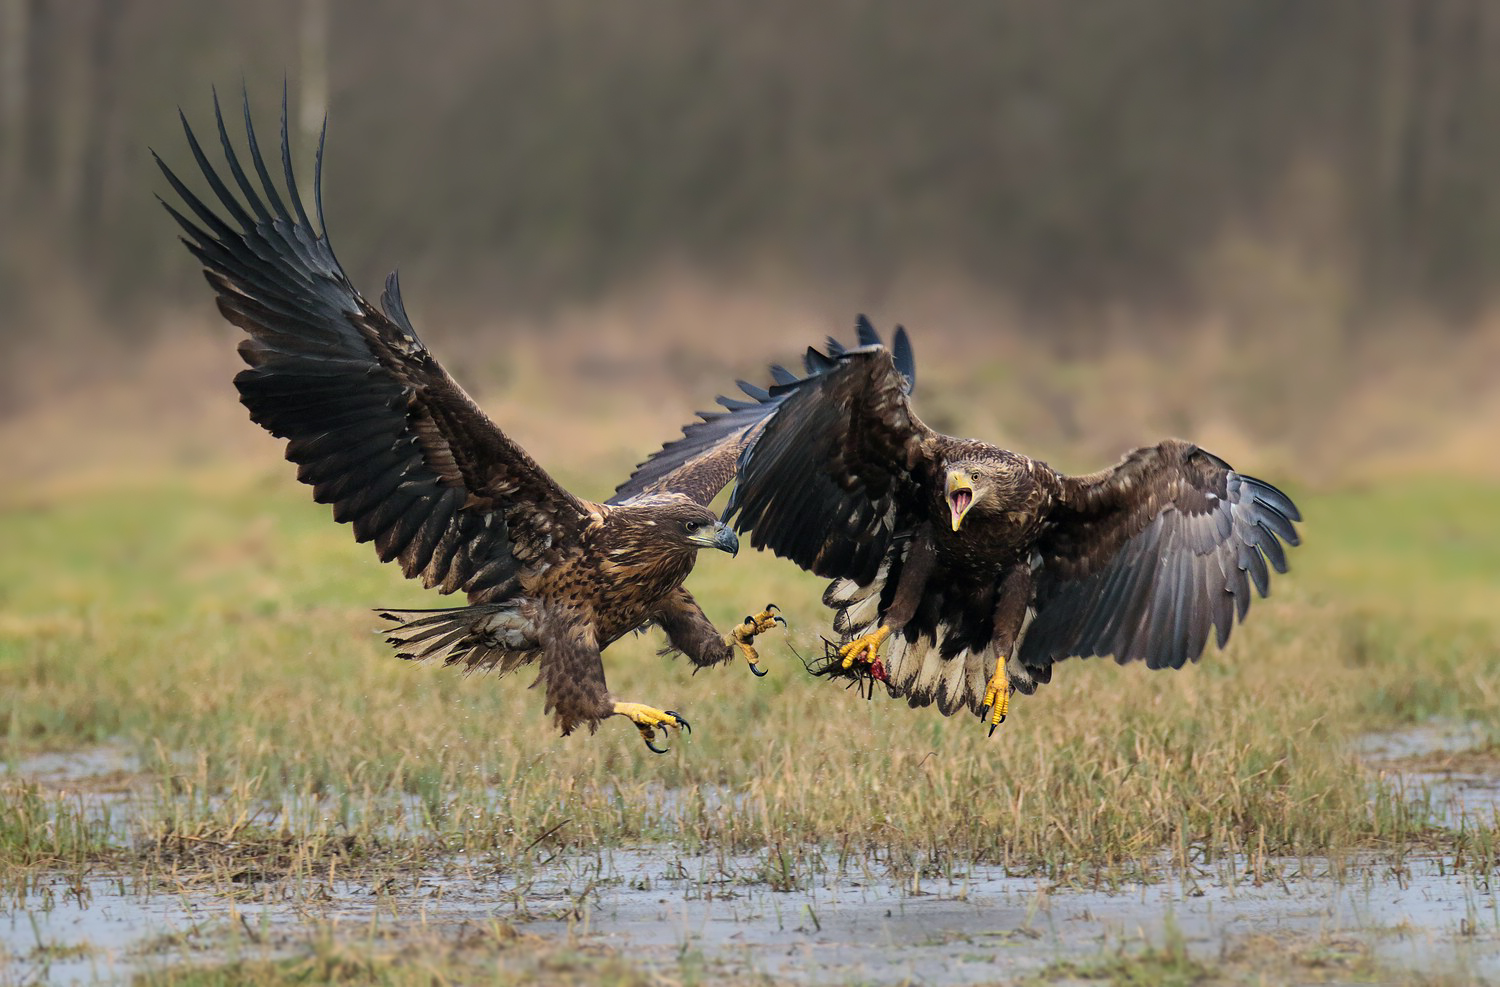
(381, 432)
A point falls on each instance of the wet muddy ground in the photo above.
(983, 928)
(660, 908)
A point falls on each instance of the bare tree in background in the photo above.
(102, 122)
(12, 99)
(1069, 155)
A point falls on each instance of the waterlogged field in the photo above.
(215, 772)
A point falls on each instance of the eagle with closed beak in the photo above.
(978, 568)
(380, 431)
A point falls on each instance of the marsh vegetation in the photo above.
(203, 726)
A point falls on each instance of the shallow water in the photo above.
(1425, 764)
(666, 910)
(657, 907)
(987, 925)
(56, 936)
(58, 768)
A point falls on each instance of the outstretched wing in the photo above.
(703, 461)
(835, 473)
(375, 425)
(1139, 561)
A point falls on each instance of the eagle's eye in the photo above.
(693, 526)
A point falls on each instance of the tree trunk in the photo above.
(12, 100)
(98, 111)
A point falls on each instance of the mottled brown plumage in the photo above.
(381, 432)
(982, 566)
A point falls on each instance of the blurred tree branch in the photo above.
(1069, 155)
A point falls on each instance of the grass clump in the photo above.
(481, 953)
(219, 626)
(43, 832)
(1149, 968)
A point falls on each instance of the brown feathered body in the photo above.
(973, 555)
(382, 433)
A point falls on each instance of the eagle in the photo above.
(381, 431)
(977, 567)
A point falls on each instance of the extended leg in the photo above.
(744, 633)
(573, 673)
(1010, 613)
(692, 633)
(996, 697)
(920, 558)
(648, 720)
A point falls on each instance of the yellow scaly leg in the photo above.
(648, 720)
(867, 645)
(745, 633)
(996, 697)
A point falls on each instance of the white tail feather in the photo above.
(917, 668)
(931, 668)
(955, 677)
(979, 669)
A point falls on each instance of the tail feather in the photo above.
(923, 666)
(856, 606)
(916, 668)
(501, 636)
(960, 682)
(919, 667)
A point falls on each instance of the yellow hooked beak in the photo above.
(960, 496)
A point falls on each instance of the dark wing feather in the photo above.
(703, 461)
(835, 473)
(376, 426)
(1141, 560)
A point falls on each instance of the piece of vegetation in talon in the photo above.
(381, 431)
(982, 566)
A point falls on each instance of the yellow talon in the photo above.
(745, 633)
(997, 697)
(869, 644)
(648, 720)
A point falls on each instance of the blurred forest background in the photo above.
(1278, 210)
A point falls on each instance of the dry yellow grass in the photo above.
(167, 587)
(219, 623)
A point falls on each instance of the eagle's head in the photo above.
(702, 528)
(985, 485)
(673, 522)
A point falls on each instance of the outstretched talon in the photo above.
(648, 720)
(865, 648)
(996, 699)
(745, 632)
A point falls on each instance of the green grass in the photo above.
(218, 625)
(496, 955)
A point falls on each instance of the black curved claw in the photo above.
(996, 724)
(749, 621)
(780, 620)
(772, 608)
(684, 724)
(649, 745)
(984, 712)
(757, 671)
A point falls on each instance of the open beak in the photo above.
(721, 537)
(960, 496)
